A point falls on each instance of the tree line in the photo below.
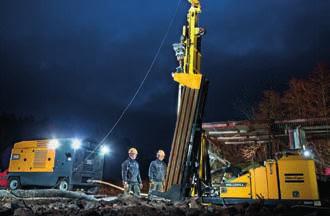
(305, 98)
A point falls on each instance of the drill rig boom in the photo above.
(186, 149)
(188, 50)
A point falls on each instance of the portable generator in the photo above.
(56, 163)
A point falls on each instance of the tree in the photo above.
(319, 91)
(254, 152)
(270, 106)
(296, 100)
(308, 98)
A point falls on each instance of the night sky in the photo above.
(78, 63)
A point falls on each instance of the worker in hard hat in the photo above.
(157, 172)
(131, 173)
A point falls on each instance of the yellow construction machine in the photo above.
(290, 177)
(59, 163)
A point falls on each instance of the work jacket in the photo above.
(157, 171)
(130, 171)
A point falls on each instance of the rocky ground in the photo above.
(74, 204)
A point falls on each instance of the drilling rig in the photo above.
(289, 178)
(187, 153)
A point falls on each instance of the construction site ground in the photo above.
(54, 202)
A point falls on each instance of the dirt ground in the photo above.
(128, 205)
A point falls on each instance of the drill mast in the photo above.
(185, 157)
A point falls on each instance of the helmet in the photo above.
(161, 152)
(132, 151)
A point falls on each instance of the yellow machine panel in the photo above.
(297, 178)
(190, 80)
(272, 182)
(264, 181)
(237, 188)
(32, 156)
(259, 184)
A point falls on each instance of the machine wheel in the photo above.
(63, 184)
(14, 183)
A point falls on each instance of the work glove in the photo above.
(151, 184)
(125, 185)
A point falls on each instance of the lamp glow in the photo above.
(307, 153)
(104, 150)
(76, 144)
(53, 144)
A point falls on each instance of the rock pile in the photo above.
(132, 206)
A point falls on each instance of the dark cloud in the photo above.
(78, 63)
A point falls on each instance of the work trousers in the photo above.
(156, 186)
(134, 188)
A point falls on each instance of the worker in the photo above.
(131, 174)
(157, 172)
